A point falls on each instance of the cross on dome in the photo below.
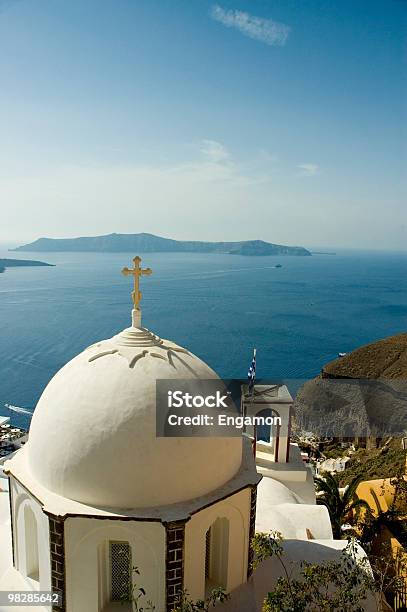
(136, 294)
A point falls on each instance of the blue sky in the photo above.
(281, 120)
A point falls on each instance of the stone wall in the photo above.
(252, 527)
(57, 549)
(174, 578)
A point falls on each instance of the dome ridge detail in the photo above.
(137, 336)
(124, 343)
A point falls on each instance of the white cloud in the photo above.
(197, 197)
(267, 31)
(214, 163)
(308, 169)
(214, 151)
(209, 195)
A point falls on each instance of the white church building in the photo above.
(94, 492)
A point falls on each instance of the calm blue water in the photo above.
(219, 306)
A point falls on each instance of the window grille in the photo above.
(120, 571)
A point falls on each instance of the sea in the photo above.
(298, 316)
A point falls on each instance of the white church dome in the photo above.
(93, 433)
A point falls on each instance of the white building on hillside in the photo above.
(95, 492)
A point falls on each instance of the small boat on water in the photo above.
(342, 354)
(278, 266)
(18, 409)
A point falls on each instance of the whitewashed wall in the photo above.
(86, 539)
(20, 500)
(237, 510)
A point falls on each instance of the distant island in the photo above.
(16, 263)
(322, 253)
(148, 243)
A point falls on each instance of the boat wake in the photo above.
(18, 409)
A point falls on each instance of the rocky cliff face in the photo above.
(362, 395)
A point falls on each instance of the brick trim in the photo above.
(287, 455)
(278, 427)
(10, 499)
(252, 529)
(57, 554)
(174, 562)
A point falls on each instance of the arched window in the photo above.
(268, 436)
(32, 567)
(217, 555)
(120, 571)
(263, 432)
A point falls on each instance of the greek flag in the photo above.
(251, 374)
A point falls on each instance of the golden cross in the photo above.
(137, 272)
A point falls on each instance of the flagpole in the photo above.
(255, 426)
(254, 361)
(252, 370)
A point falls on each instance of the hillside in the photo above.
(361, 395)
(148, 243)
(376, 463)
(386, 358)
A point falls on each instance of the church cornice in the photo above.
(51, 503)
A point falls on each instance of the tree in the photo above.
(137, 594)
(399, 503)
(377, 532)
(185, 604)
(339, 504)
(341, 585)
